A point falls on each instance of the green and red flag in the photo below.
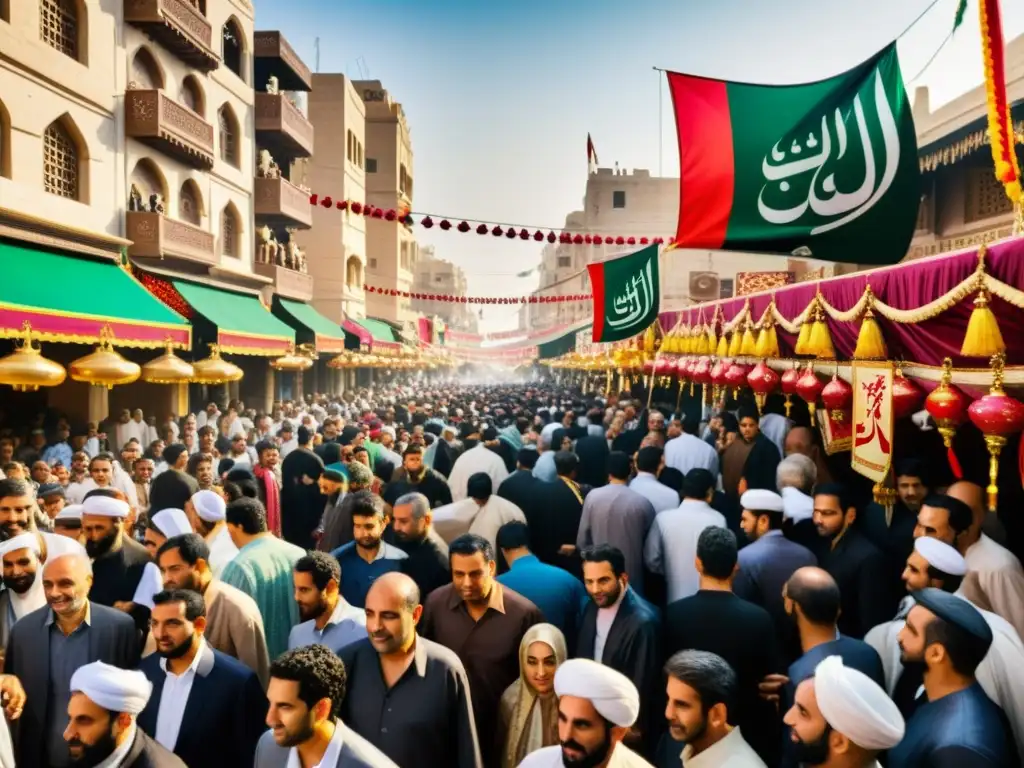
(626, 294)
(829, 166)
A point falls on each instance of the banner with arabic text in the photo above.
(872, 419)
(626, 294)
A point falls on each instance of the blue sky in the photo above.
(500, 96)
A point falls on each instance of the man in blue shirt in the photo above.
(327, 618)
(559, 595)
(367, 556)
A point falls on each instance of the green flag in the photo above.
(829, 166)
(626, 294)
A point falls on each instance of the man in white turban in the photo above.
(105, 700)
(841, 717)
(23, 582)
(207, 510)
(596, 707)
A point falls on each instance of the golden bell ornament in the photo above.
(291, 361)
(105, 367)
(215, 369)
(168, 369)
(26, 370)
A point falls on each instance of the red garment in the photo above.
(273, 498)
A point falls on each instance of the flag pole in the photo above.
(661, 121)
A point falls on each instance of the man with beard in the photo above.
(49, 644)
(427, 562)
(596, 707)
(119, 577)
(233, 622)
(307, 688)
(206, 511)
(24, 588)
(300, 493)
(702, 688)
(206, 707)
(101, 721)
(841, 718)
(368, 556)
(416, 477)
(407, 695)
(337, 520)
(326, 618)
(17, 507)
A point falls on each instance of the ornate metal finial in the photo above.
(998, 363)
(947, 372)
(27, 337)
(106, 336)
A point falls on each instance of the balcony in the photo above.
(279, 203)
(281, 128)
(178, 26)
(273, 56)
(289, 283)
(154, 236)
(154, 118)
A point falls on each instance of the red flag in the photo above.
(591, 152)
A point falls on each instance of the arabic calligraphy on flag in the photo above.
(872, 419)
(830, 166)
(626, 294)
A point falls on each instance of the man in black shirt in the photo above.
(416, 477)
(414, 534)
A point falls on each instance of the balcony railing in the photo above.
(154, 236)
(178, 26)
(289, 283)
(155, 118)
(278, 202)
(281, 128)
(273, 56)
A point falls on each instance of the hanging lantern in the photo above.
(215, 369)
(998, 416)
(26, 370)
(168, 369)
(809, 387)
(700, 373)
(906, 396)
(948, 406)
(735, 377)
(718, 378)
(788, 385)
(291, 361)
(105, 367)
(837, 431)
(763, 380)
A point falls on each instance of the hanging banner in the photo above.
(626, 294)
(873, 419)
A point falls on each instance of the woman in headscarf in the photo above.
(529, 707)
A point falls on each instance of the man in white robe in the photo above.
(483, 513)
(23, 581)
(478, 459)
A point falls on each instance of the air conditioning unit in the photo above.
(704, 286)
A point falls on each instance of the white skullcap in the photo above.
(941, 556)
(21, 541)
(757, 500)
(105, 506)
(389, 429)
(70, 512)
(171, 522)
(855, 706)
(209, 505)
(113, 688)
(612, 693)
(58, 546)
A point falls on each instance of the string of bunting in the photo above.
(466, 226)
(450, 299)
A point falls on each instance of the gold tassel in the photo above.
(700, 342)
(735, 343)
(761, 348)
(803, 338)
(983, 337)
(712, 339)
(870, 341)
(723, 347)
(819, 342)
(748, 346)
(773, 342)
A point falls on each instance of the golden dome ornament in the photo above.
(26, 370)
(215, 369)
(168, 368)
(292, 360)
(105, 367)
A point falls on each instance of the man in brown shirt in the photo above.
(484, 623)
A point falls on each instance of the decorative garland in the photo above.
(1000, 123)
(450, 299)
(509, 231)
(166, 292)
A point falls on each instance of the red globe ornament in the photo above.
(463, 226)
(763, 380)
(648, 367)
(947, 405)
(445, 225)
(837, 397)
(497, 231)
(906, 396)
(482, 229)
(736, 377)
(998, 416)
(552, 237)
(511, 233)
(809, 387)
(787, 383)
(356, 208)
(700, 371)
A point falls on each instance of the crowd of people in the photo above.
(469, 576)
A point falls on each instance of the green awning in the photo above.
(325, 335)
(379, 330)
(73, 298)
(243, 325)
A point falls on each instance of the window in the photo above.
(189, 208)
(350, 143)
(229, 231)
(619, 198)
(564, 262)
(233, 42)
(58, 25)
(371, 165)
(353, 274)
(725, 288)
(228, 136)
(924, 215)
(192, 95)
(147, 179)
(985, 197)
(372, 262)
(60, 162)
(146, 73)
(359, 154)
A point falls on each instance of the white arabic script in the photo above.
(845, 205)
(636, 301)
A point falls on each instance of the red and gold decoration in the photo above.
(168, 369)
(948, 407)
(837, 427)
(164, 291)
(1000, 124)
(787, 383)
(215, 369)
(451, 299)
(809, 388)
(872, 393)
(763, 380)
(105, 367)
(997, 416)
(295, 359)
(26, 370)
(906, 396)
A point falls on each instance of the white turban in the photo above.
(113, 688)
(210, 506)
(105, 506)
(941, 556)
(171, 522)
(612, 693)
(21, 541)
(70, 512)
(58, 546)
(855, 706)
(758, 500)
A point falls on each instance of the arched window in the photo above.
(190, 203)
(146, 74)
(229, 150)
(354, 273)
(61, 163)
(233, 51)
(148, 180)
(192, 95)
(230, 231)
(60, 26)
